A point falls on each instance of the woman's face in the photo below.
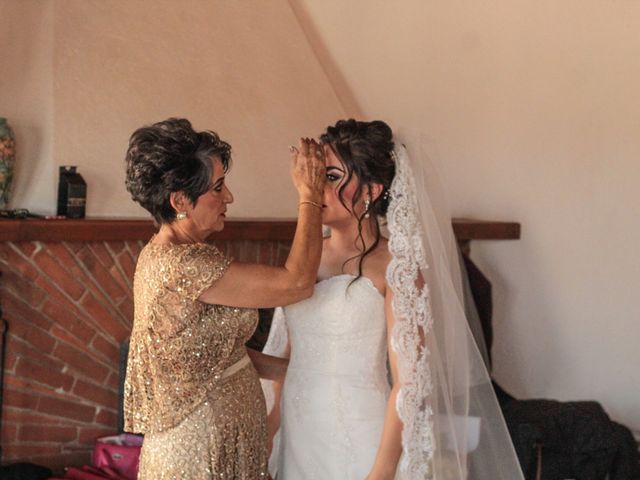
(208, 214)
(334, 212)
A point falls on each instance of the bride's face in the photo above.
(334, 211)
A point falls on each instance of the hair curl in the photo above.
(366, 151)
(170, 156)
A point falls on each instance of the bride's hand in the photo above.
(380, 476)
(269, 445)
(308, 170)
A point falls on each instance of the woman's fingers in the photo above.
(315, 151)
(304, 146)
(308, 170)
(294, 156)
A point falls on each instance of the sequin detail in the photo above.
(198, 424)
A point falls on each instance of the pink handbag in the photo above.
(119, 454)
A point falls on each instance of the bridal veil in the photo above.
(453, 428)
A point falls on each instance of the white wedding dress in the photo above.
(336, 389)
(334, 396)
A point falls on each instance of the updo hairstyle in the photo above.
(170, 156)
(366, 151)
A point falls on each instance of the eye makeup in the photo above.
(334, 174)
(217, 187)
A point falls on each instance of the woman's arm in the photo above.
(253, 285)
(390, 449)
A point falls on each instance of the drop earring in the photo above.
(366, 208)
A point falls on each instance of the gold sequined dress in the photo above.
(190, 387)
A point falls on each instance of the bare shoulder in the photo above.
(381, 255)
(375, 265)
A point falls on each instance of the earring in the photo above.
(181, 215)
(366, 208)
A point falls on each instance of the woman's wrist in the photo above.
(310, 195)
(311, 203)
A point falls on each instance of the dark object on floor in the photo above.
(122, 372)
(24, 471)
(4, 326)
(569, 440)
(626, 464)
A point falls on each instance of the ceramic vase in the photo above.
(7, 160)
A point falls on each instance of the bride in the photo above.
(384, 380)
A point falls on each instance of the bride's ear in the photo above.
(375, 190)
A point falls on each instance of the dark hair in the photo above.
(366, 150)
(170, 156)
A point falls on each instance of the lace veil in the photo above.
(452, 425)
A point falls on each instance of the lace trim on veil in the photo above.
(413, 322)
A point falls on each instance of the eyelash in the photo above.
(217, 189)
(332, 178)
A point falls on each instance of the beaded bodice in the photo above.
(179, 346)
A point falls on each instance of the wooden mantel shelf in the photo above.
(114, 229)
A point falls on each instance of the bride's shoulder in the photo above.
(379, 259)
(382, 251)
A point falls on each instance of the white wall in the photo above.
(26, 100)
(243, 69)
(533, 114)
(531, 108)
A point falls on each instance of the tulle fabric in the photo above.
(452, 425)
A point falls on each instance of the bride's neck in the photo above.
(345, 238)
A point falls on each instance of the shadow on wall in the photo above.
(338, 82)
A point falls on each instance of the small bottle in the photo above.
(72, 193)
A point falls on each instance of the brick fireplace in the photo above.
(68, 306)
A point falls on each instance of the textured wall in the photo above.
(531, 113)
(26, 97)
(105, 68)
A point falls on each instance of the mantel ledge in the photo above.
(263, 229)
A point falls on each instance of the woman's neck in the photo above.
(178, 233)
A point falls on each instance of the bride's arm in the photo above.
(273, 416)
(268, 366)
(390, 449)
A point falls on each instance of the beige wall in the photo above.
(243, 69)
(26, 98)
(533, 114)
(531, 108)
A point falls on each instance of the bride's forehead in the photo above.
(332, 159)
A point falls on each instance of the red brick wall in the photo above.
(68, 306)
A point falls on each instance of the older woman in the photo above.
(190, 387)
